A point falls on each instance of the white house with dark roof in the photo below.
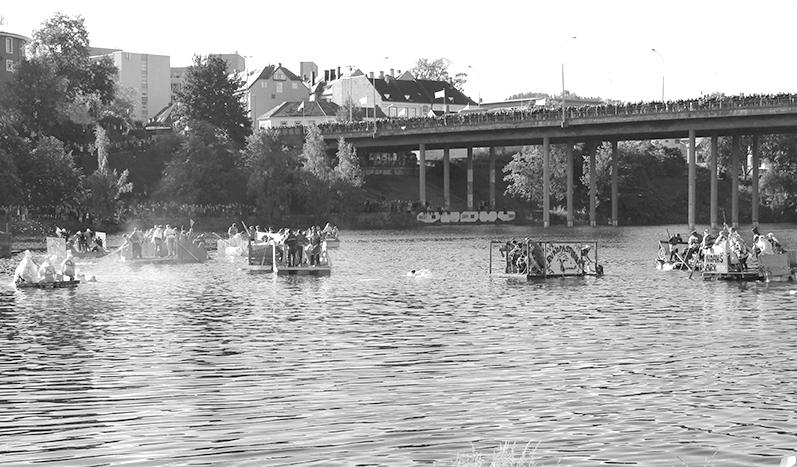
(303, 113)
(271, 87)
(402, 97)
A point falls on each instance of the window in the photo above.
(279, 87)
(425, 109)
(264, 84)
(9, 45)
(284, 123)
(9, 65)
(279, 76)
(295, 85)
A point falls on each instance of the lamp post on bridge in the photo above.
(661, 57)
(563, 76)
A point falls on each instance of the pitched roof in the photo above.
(419, 91)
(268, 71)
(310, 109)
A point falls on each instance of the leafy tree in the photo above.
(437, 69)
(204, 169)
(314, 155)
(50, 178)
(779, 183)
(211, 95)
(105, 187)
(348, 170)
(524, 174)
(36, 97)
(273, 174)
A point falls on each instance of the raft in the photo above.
(546, 259)
(282, 269)
(46, 285)
(260, 257)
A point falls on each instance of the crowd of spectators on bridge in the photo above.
(554, 113)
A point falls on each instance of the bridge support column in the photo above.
(470, 179)
(692, 180)
(615, 207)
(713, 169)
(736, 149)
(593, 188)
(422, 173)
(446, 179)
(754, 177)
(546, 181)
(492, 178)
(570, 213)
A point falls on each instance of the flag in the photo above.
(402, 112)
(440, 93)
(363, 100)
(191, 223)
(301, 107)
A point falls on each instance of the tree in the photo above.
(348, 170)
(204, 169)
(36, 97)
(273, 174)
(211, 95)
(50, 178)
(524, 174)
(437, 69)
(779, 183)
(314, 155)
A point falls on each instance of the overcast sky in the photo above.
(510, 46)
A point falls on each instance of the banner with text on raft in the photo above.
(465, 217)
(533, 259)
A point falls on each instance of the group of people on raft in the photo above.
(81, 241)
(728, 241)
(50, 270)
(523, 257)
(157, 241)
(295, 247)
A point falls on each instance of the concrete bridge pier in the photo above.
(546, 181)
(692, 180)
(736, 149)
(570, 213)
(615, 208)
(713, 169)
(447, 178)
(422, 172)
(593, 187)
(470, 178)
(492, 177)
(754, 177)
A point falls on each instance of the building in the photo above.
(12, 51)
(308, 71)
(397, 97)
(303, 113)
(236, 64)
(271, 87)
(146, 75)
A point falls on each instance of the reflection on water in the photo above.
(207, 364)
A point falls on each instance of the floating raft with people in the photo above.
(670, 256)
(544, 259)
(46, 284)
(283, 268)
(260, 256)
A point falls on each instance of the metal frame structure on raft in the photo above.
(559, 260)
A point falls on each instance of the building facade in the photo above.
(147, 76)
(236, 64)
(12, 51)
(303, 113)
(271, 87)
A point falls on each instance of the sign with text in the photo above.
(715, 263)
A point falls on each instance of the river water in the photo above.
(207, 364)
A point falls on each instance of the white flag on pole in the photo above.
(363, 100)
(440, 93)
(402, 112)
(301, 107)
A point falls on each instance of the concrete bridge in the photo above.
(706, 117)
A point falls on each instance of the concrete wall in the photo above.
(148, 76)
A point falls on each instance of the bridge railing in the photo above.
(555, 115)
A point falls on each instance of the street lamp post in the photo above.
(563, 77)
(479, 103)
(662, 71)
